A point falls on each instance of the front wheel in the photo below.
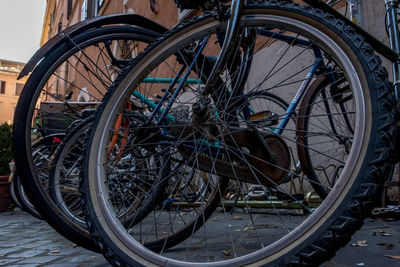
(290, 42)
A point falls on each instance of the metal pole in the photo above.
(394, 39)
(355, 11)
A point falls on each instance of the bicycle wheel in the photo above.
(72, 78)
(325, 117)
(65, 172)
(291, 46)
(66, 168)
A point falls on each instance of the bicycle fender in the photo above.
(129, 19)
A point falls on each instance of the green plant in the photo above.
(6, 154)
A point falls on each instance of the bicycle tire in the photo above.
(305, 121)
(71, 150)
(65, 175)
(11, 190)
(329, 226)
(22, 199)
(89, 51)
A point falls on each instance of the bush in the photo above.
(6, 154)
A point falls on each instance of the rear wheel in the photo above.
(325, 116)
(65, 173)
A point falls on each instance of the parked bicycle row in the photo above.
(275, 120)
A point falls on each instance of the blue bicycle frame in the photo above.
(164, 113)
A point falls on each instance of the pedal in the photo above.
(266, 118)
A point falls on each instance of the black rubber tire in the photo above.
(352, 204)
(74, 145)
(23, 121)
(23, 200)
(74, 137)
(11, 191)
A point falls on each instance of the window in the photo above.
(84, 10)
(52, 17)
(2, 87)
(18, 88)
(69, 8)
(90, 8)
(99, 3)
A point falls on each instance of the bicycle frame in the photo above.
(286, 117)
(160, 114)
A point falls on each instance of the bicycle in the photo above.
(85, 56)
(55, 195)
(352, 106)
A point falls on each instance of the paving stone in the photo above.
(61, 265)
(67, 251)
(5, 251)
(30, 242)
(27, 253)
(27, 241)
(38, 244)
(7, 262)
(106, 264)
(38, 260)
(18, 241)
(85, 258)
(55, 246)
(26, 265)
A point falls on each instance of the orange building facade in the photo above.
(10, 88)
(61, 14)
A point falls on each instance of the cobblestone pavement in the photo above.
(27, 241)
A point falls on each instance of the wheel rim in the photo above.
(113, 227)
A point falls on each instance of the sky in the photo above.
(20, 28)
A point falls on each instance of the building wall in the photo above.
(166, 13)
(9, 71)
(58, 18)
(373, 21)
(56, 15)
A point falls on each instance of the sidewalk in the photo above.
(27, 241)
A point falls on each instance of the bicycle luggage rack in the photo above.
(54, 116)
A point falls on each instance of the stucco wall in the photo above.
(373, 21)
